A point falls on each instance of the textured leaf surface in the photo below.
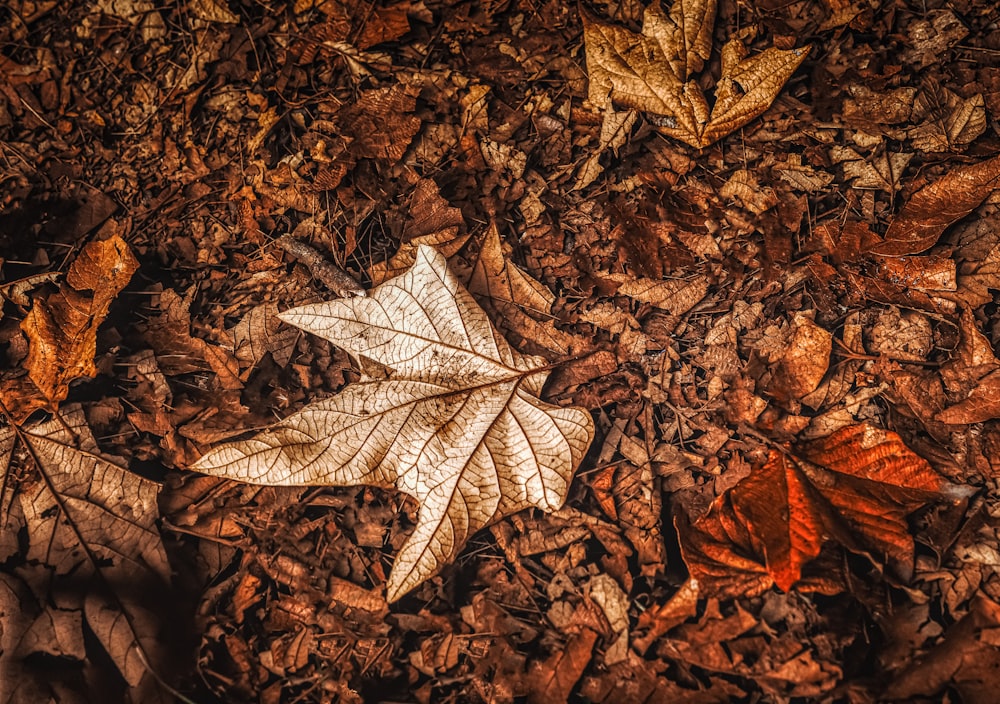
(62, 329)
(652, 71)
(457, 425)
(88, 517)
(854, 487)
(934, 207)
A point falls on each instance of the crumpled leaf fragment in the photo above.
(974, 375)
(854, 487)
(430, 221)
(519, 304)
(946, 121)
(805, 360)
(457, 424)
(653, 71)
(62, 329)
(882, 171)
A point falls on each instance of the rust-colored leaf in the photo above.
(552, 681)
(936, 206)
(62, 329)
(855, 488)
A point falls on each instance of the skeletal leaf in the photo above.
(652, 71)
(457, 424)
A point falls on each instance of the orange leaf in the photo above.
(552, 681)
(854, 488)
(62, 329)
(781, 516)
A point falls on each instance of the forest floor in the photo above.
(787, 340)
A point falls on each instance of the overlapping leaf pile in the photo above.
(753, 246)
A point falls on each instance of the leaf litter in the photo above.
(756, 248)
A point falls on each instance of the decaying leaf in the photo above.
(653, 72)
(62, 329)
(854, 487)
(498, 279)
(950, 122)
(936, 206)
(90, 519)
(519, 304)
(457, 425)
(881, 171)
(431, 221)
(973, 375)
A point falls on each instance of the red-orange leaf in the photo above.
(854, 488)
(782, 516)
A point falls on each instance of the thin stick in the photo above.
(331, 275)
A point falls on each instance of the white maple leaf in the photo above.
(457, 424)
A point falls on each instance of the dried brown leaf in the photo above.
(502, 281)
(676, 296)
(804, 360)
(521, 304)
(652, 71)
(552, 681)
(881, 171)
(934, 207)
(947, 122)
(62, 329)
(91, 520)
(260, 332)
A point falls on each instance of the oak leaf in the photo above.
(457, 424)
(854, 487)
(654, 71)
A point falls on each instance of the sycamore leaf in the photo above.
(653, 71)
(457, 424)
(90, 521)
(854, 487)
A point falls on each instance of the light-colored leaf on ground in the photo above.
(457, 425)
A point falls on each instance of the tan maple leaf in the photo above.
(457, 424)
(652, 71)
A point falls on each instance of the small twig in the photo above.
(331, 275)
